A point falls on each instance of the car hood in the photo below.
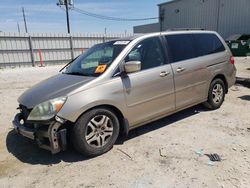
(56, 86)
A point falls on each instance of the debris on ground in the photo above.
(125, 154)
(210, 163)
(235, 88)
(163, 152)
(199, 152)
(214, 157)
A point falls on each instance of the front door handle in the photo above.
(164, 73)
(180, 69)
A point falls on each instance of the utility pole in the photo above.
(105, 32)
(104, 35)
(24, 20)
(161, 19)
(68, 4)
(67, 14)
(18, 27)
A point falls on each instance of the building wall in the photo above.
(17, 49)
(149, 28)
(190, 14)
(228, 17)
(234, 17)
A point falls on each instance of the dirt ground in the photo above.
(161, 154)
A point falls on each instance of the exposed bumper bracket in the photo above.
(20, 129)
(57, 138)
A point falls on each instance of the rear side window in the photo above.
(187, 46)
(206, 44)
(180, 47)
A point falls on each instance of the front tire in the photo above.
(216, 94)
(95, 132)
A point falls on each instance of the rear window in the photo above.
(187, 46)
(206, 44)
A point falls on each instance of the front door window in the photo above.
(149, 52)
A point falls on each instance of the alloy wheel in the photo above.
(217, 93)
(99, 131)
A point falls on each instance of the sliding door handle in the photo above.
(164, 73)
(180, 69)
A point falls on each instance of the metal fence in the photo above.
(22, 49)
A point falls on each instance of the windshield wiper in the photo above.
(68, 64)
(75, 73)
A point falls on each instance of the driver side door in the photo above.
(149, 93)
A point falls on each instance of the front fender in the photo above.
(109, 93)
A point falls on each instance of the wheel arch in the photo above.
(124, 125)
(223, 78)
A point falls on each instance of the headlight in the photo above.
(47, 110)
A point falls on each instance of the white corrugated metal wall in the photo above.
(23, 49)
(149, 28)
(234, 17)
(190, 13)
(228, 17)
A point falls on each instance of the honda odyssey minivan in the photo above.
(119, 85)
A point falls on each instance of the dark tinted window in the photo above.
(206, 44)
(180, 47)
(149, 52)
(187, 46)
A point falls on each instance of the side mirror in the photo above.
(132, 66)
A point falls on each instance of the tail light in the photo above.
(232, 60)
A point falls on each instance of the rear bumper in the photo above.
(232, 78)
(48, 136)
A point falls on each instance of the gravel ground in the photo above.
(160, 154)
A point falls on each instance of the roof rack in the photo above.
(185, 29)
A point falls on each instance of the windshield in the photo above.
(97, 59)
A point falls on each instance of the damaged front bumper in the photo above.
(49, 135)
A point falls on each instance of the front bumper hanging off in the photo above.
(49, 136)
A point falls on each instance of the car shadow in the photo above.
(245, 97)
(243, 81)
(166, 121)
(27, 151)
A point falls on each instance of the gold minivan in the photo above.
(122, 84)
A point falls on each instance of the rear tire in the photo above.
(216, 94)
(95, 132)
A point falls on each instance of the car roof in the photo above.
(136, 36)
(129, 38)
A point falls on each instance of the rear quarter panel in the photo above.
(219, 64)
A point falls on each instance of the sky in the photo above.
(46, 16)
